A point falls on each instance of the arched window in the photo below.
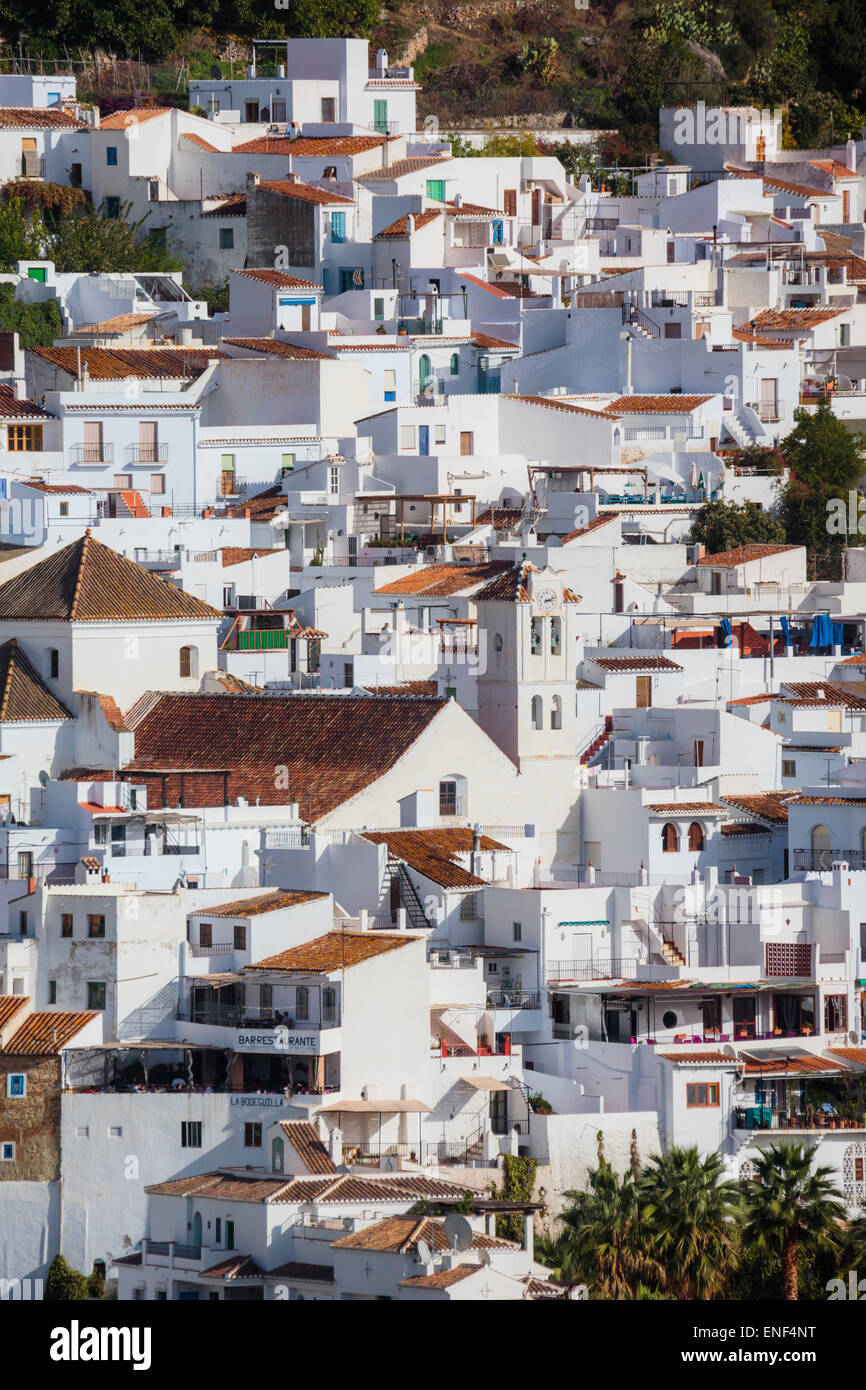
(537, 712)
(556, 712)
(821, 851)
(555, 636)
(277, 1156)
(53, 663)
(424, 373)
(455, 364)
(188, 661)
(497, 647)
(670, 838)
(696, 836)
(536, 631)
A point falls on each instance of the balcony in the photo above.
(579, 971)
(145, 453)
(822, 860)
(91, 454)
(752, 1117)
(420, 326)
(514, 999)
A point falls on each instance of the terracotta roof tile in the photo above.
(13, 408)
(199, 142)
(684, 808)
(233, 1185)
(306, 192)
(619, 664)
(224, 1186)
(308, 1146)
(399, 227)
(235, 205)
(686, 1058)
(88, 582)
(116, 364)
(303, 1273)
(656, 405)
(240, 554)
(336, 950)
(275, 348)
(334, 746)
(23, 694)
(398, 168)
(771, 807)
(441, 1278)
(316, 146)
(38, 118)
(743, 555)
(278, 278)
(590, 526)
(834, 168)
(121, 323)
(235, 1267)
(433, 853)
(45, 1034)
(399, 1235)
(268, 902)
(122, 120)
(786, 320)
(444, 580)
(404, 688)
(745, 828)
(558, 403)
(9, 1006)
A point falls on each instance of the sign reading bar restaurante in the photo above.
(276, 1040)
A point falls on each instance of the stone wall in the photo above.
(567, 1148)
(31, 1121)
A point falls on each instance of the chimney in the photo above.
(851, 156)
(458, 200)
(292, 177)
(410, 224)
(253, 181)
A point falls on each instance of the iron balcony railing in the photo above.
(767, 1117)
(514, 999)
(146, 453)
(92, 453)
(823, 860)
(570, 971)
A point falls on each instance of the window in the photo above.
(66, 924)
(16, 1084)
(22, 923)
(555, 636)
(348, 675)
(702, 1094)
(24, 439)
(25, 863)
(351, 278)
(390, 384)
(455, 364)
(52, 991)
(7, 1152)
(334, 479)
(190, 1134)
(96, 994)
(205, 934)
(537, 712)
(789, 767)
(670, 838)
(380, 116)
(95, 925)
(112, 207)
(448, 802)
(253, 1134)
(338, 226)
(287, 463)
(407, 436)
(696, 836)
(118, 841)
(822, 853)
(835, 1013)
(516, 931)
(227, 238)
(378, 309)
(123, 481)
(329, 110)
(329, 1005)
(438, 434)
(302, 1002)
(64, 508)
(536, 629)
(82, 1131)
(510, 202)
(278, 111)
(240, 937)
(111, 154)
(251, 112)
(157, 483)
(148, 445)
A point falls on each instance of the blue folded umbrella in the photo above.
(786, 631)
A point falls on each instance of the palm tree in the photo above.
(606, 1242)
(690, 1212)
(791, 1206)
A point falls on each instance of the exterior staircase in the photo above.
(737, 429)
(672, 954)
(600, 742)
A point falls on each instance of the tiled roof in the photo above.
(399, 1235)
(267, 902)
(791, 1066)
(752, 699)
(122, 120)
(240, 554)
(200, 143)
(235, 205)
(341, 1187)
(56, 489)
(500, 518)
(306, 192)
(557, 403)
(404, 688)
(9, 1006)
(484, 340)
(507, 587)
(774, 344)
(745, 828)
(828, 801)
(88, 582)
(334, 746)
(336, 950)
(275, 348)
(656, 405)
(121, 323)
(766, 806)
(399, 167)
(23, 694)
(399, 228)
(618, 664)
(834, 168)
(690, 1059)
(582, 531)
(226, 1187)
(278, 278)
(434, 852)
(38, 118)
(308, 1146)
(318, 146)
(443, 580)
(441, 1278)
(116, 364)
(787, 319)
(827, 693)
(684, 808)
(11, 408)
(802, 190)
(235, 1267)
(44, 1034)
(743, 555)
(850, 1054)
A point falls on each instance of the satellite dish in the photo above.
(425, 1254)
(458, 1232)
(216, 72)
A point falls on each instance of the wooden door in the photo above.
(643, 691)
(466, 443)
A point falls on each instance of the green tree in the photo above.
(22, 238)
(690, 1212)
(607, 1242)
(95, 241)
(726, 525)
(792, 1207)
(37, 325)
(332, 19)
(825, 462)
(64, 1284)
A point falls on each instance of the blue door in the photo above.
(423, 439)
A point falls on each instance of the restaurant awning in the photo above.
(376, 1107)
(485, 1083)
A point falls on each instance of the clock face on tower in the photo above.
(545, 598)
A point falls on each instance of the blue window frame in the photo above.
(455, 364)
(498, 234)
(111, 154)
(17, 1083)
(112, 207)
(351, 278)
(7, 1151)
(338, 226)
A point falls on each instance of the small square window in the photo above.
(789, 767)
(205, 934)
(190, 1134)
(64, 508)
(16, 1084)
(95, 924)
(227, 238)
(82, 1131)
(7, 1152)
(253, 1135)
(115, 1131)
